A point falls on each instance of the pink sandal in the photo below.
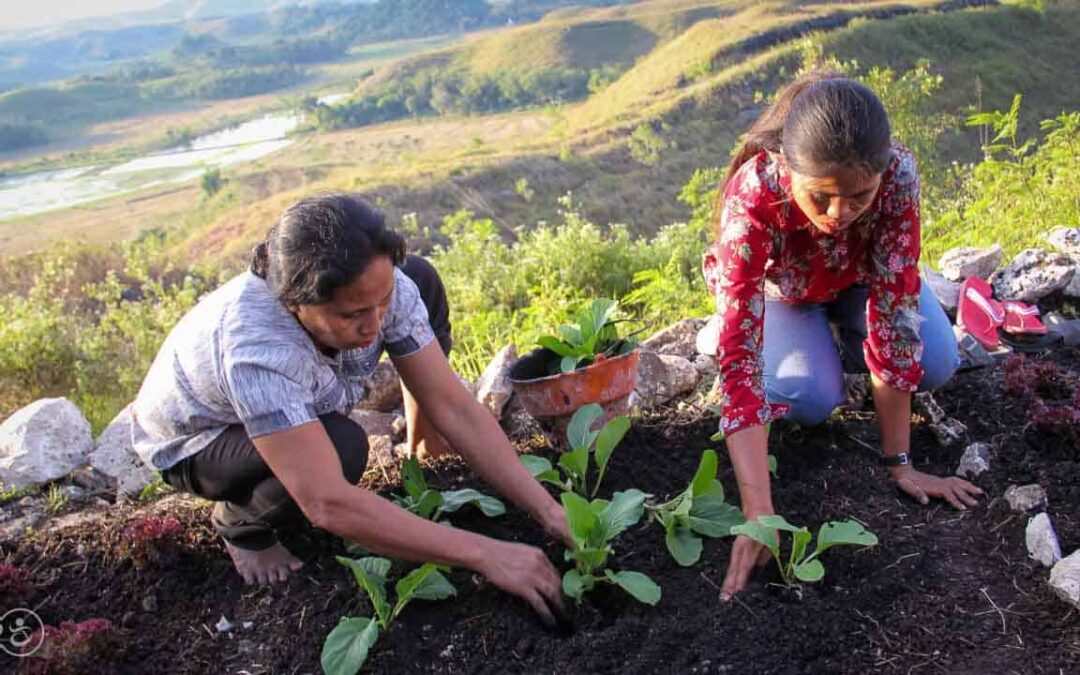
(978, 313)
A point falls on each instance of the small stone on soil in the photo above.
(1042, 541)
(1065, 579)
(975, 460)
(1026, 497)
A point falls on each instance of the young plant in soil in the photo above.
(84, 647)
(801, 565)
(347, 646)
(593, 338)
(700, 510)
(584, 442)
(151, 540)
(432, 504)
(593, 526)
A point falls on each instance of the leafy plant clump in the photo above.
(800, 565)
(593, 526)
(1054, 396)
(593, 338)
(574, 465)
(700, 510)
(15, 582)
(432, 504)
(84, 647)
(347, 646)
(151, 540)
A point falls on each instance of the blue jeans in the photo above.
(809, 347)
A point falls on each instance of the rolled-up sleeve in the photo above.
(406, 328)
(734, 268)
(893, 347)
(268, 391)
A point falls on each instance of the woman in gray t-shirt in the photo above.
(246, 404)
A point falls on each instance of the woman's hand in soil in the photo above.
(554, 523)
(922, 486)
(526, 572)
(746, 554)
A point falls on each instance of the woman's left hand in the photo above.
(922, 486)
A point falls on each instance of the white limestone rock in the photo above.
(44, 441)
(114, 455)
(1042, 542)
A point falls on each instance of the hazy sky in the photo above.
(23, 13)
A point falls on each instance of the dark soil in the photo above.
(944, 591)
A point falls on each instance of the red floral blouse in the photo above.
(767, 245)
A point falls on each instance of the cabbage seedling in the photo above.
(584, 442)
(593, 338)
(699, 510)
(801, 566)
(432, 504)
(593, 525)
(347, 646)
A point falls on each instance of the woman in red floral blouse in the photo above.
(814, 269)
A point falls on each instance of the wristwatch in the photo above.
(896, 460)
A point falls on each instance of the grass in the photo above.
(432, 167)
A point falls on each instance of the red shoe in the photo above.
(1021, 318)
(978, 313)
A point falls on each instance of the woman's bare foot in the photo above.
(432, 448)
(270, 565)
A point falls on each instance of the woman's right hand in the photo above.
(526, 572)
(746, 554)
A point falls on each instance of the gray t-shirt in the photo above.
(240, 357)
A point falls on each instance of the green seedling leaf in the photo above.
(608, 438)
(576, 464)
(622, 512)
(636, 584)
(423, 583)
(347, 646)
(428, 503)
(845, 532)
(370, 574)
(588, 559)
(452, 500)
(574, 584)
(412, 477)
(573, 337)
(683, 545)
(778, 523)
(556, 345)
(579, 517)
(799, 540)
(535, 464)
(579, 432)
(704, 481)
(540, 468)
(773, 466)
(598, 315)
(810, 571)
(717, 437)
(766, 536)
(711, 516)
(569, 363)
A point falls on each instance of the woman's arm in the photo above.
(749, 449)
(304, 460)
(893, 346)
(734, 269)
(473, 431)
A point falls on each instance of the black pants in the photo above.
(251, 501)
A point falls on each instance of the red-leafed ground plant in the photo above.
(150, 540)
(74, 648)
